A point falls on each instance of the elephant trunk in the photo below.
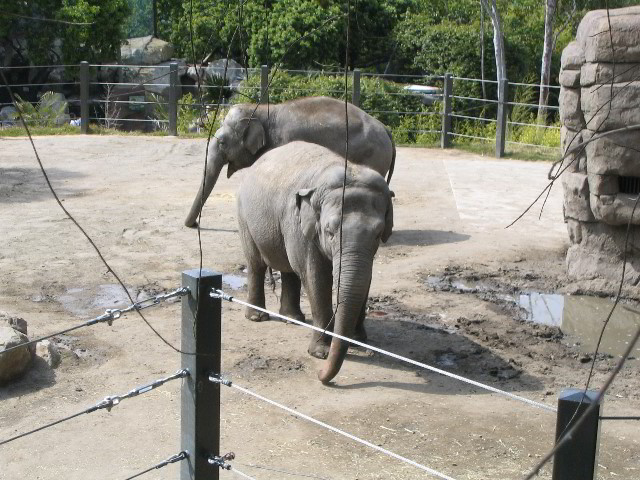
(206, 186)
(354, 285)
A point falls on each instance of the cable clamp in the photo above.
(218, 461)
(112, 314)
(219, 294)
(218, 378)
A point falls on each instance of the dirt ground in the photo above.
(131, 195)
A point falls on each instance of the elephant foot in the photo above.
(256, 316)
(296, 315)
(193, 225)
(318, 349)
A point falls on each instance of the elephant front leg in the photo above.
(318, 286)
(255, 285)
(290, 301)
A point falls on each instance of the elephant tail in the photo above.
(393, 157)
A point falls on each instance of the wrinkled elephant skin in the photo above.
(249, 131)
(292, 223)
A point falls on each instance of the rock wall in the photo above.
(600, 92)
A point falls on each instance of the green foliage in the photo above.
(99, 41)
(189, 114)
(140, 21)
(45, 113)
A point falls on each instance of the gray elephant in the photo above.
(247, 132)
(291, 222)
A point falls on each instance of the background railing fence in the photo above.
(405, 103)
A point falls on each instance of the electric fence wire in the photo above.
(240, 474)
(108, 403)
(279, 470)
(108, 316)
(216, 293)
(172, 459)
(296, 413)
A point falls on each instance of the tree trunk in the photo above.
(498, 40)
(484, 87)
(545, 69)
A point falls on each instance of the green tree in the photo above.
(49, 31)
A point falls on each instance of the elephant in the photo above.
(292, 223)
(248, 131)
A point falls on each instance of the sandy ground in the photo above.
(131, 195)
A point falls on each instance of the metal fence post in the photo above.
(501, 126)
(200, 415)
(355, 96)
(578, 458)
(173, 98)
(84, 97)
(445, 138)
(264, 84)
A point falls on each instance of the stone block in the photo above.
(615, 154)
(615, 209)
(145, 51)
(576, 197)
(17, 323)
(574, 227)
(577, 159)
(570, 78)
(49, 352)
(599, 73)
(571, 108)
(14, 363)
(572, 57)
(603, 184)
(610, 107)
(622, 44)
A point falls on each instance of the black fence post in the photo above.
(355, 96)
(445, 138)
(200, 416)
(173, 98)
(578, 458)
(264, 84)
(501, 126)
(84, 97)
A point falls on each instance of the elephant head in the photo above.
(367, 219)
(235, 144)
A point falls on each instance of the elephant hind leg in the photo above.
(255, 286)
(290, 301)
(256, 269)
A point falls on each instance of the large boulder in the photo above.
(57, 104)
(8, 116)
(16, 362)
(154, 78)
(145, 51)
(226, 68)
(620, 43)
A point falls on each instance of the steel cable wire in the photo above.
(350, 436)
(107, 403)
(108, 316)
(220, 294)
(172, 459)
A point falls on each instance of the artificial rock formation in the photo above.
(600, 92)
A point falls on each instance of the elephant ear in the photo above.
(388, 220)
(253, 135)
(308, 216)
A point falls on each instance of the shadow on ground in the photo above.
(425, 237)
(40, 375)
(22, 185)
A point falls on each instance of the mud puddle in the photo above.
(580, 318)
